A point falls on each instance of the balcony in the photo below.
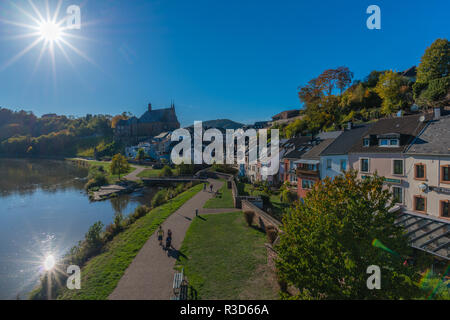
(307, 172)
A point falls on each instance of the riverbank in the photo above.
(101, 274)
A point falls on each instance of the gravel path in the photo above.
(150, 274)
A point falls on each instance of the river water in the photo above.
(45, 210)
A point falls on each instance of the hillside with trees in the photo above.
(332, 99)
(24, 134)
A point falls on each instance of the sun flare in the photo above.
(50, 31)
(49, 262)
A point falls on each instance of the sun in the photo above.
(49, 262)
(50, 31)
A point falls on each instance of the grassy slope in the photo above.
(226, 259)
(224, 200)
(102, 273)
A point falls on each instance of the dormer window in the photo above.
(388, 142)
(366, 142)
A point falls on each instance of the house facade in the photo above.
(308, 169)
(381, 150)
(428, 176)
(334, 159)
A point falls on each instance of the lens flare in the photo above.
(378, 244)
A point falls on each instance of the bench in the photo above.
(180, 286)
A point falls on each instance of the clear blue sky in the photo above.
(235, 59)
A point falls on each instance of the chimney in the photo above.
(149, 107)
(349, 125)
(437, 113)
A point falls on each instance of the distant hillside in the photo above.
(222, 124)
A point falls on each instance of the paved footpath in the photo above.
(150, 274)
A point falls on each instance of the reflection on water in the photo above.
(43, 210)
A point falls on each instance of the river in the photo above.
(45, 210)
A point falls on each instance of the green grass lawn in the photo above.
(223, 200)
(154, 173)
(223, 258)
(102, 273)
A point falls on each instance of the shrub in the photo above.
(249, 215)
(271, 233)
(96, 177)
(166, 172)
(159, 198)
(93, 236)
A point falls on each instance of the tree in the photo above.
(393, 89)
(435, 62)
(432, 88)
(119, 165)
(140, 155)
(327, 243)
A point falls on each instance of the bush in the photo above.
(93, 236)
(96, 177)
(288, 196)
(166, 172)
(271, 233)
(159, 198)
(249, 215)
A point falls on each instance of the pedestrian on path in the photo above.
(169, 239)
(160, 235)
(211, 188)
(204, 187)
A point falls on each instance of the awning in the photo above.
(427, 233)
(307, 161)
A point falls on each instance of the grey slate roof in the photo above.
(328, 135)
(408, 127)
(435, 139)
(316, 151)
(296, 147)
(346, 140)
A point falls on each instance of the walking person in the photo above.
(160, 235)
(169, 239)
(204, 187)
(211, 188)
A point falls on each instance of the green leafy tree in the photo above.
(435, 62)
(327, 243)
(119, 165)
(432, 88)
(394, 90)
(140, 155)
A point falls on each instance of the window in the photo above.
(307, 184)
(445, 205)
(364, 165)
(398, 166)
(366, 142)
(398, 194)
(420, 204)
(343, 165)
(445, 174)
(328, 163)
(388, 142)
(419, 171)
